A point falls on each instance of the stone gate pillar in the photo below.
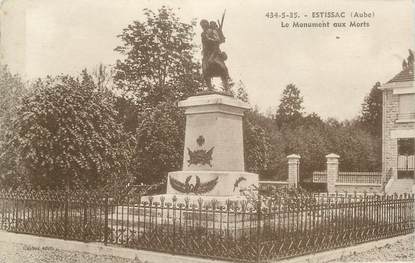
(332, 171)
(293, 169)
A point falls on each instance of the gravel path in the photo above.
(401, 250)
(19, 253)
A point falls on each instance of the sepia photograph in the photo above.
(147, 131)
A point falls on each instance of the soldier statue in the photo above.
(213, 61)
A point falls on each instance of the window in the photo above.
(406, 106)
(406, 151)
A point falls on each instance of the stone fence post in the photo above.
(332, 171)
(293, 169)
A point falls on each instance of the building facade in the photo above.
(398, 142)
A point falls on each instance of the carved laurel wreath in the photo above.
(197, 188)
(201, 156)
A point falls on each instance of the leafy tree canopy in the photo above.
(371, 113)
(256, 143)
(158, 70)
(66, 133)
(241, 92)
(160, 142)
(159, 64)
(290, 107)
(12, 91)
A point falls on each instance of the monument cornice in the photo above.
(213, 99)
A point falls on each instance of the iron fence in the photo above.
(360, 177)
(319, 177)
(269, 186)
(405, 116)
(350, 177)
(254, 231)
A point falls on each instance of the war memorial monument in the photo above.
(213, 157)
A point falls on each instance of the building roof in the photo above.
(407, 74)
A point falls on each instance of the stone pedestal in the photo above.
(214, 126)
(213, 158)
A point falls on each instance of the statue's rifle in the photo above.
(220, 23)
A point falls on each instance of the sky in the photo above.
(333, 67)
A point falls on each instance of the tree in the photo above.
(371, 113)
(13, 90)
(371, 120)
(308, 139)
(359, 150)
(158, 70)
(159, 61)
(256, 136)
(67, 134)
(290, 108)
(256, 143)
(103, 77)
(160, 142)
(241, 92)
